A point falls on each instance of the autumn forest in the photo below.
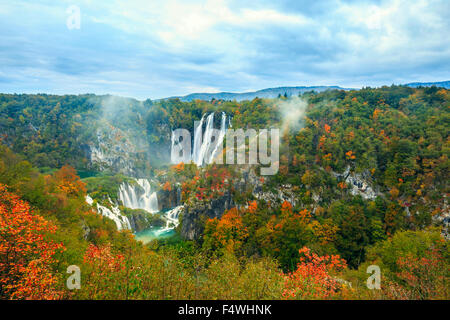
(87, 185)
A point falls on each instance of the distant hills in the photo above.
(288, 91)
(265, 93)
(443, 84)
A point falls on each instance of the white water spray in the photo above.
(201, 152)
(139, 196)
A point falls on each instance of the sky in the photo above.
(156, 49)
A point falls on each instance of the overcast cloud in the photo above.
(155, 49)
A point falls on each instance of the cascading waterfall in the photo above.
(114, 214)
(139, 196)
(171, 220)
(201, 151)
(89, 200)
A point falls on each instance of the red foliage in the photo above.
(421, 278)
(26, 257)
(313, 278)
(103, 259)
(252, 207)
(103, 269)
(286, 207)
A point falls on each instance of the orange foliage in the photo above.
(350, 155)
(286, 207)
(342, 185)
(325, 232)
(167, 186)
(376, 112)
(351, 135)
(102, 267)
(313, 278)
(394, 192)
(228, 232)
(66, 181)
(327, 157)
(26, 257)
(179, 167)
(252, 207)
(322, 142)
(304, 215)
(103, 259)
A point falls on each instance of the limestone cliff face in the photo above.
(140, 220)
(195, 214)
(169, 199)
(360, 183)
(115, 149)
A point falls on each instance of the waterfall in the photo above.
(201, 152)
(206, 141)
(114, 214)
(223, 130)
(89, 200)
(139, 196)
(172, 149)
(198, 135)
(171, 220)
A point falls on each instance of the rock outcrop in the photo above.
(360, 183)
(141, 220)
(194, 215)
(168, 199)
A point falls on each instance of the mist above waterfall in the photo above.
(114, 107)
(116, 136)
(292, 113)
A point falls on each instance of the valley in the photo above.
(362, 175)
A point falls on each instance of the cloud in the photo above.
(163, 48)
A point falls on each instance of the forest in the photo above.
(362, 181)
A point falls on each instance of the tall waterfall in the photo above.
(139, 196)
(201, 151)
(200, 155)
(198, 132)
(223, 130)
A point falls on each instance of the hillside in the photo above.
(264, 93)
(362, 179)
(442, 84)
(288, 91)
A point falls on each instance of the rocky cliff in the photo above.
(195, 215)
(141, 220)
(168, 199)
